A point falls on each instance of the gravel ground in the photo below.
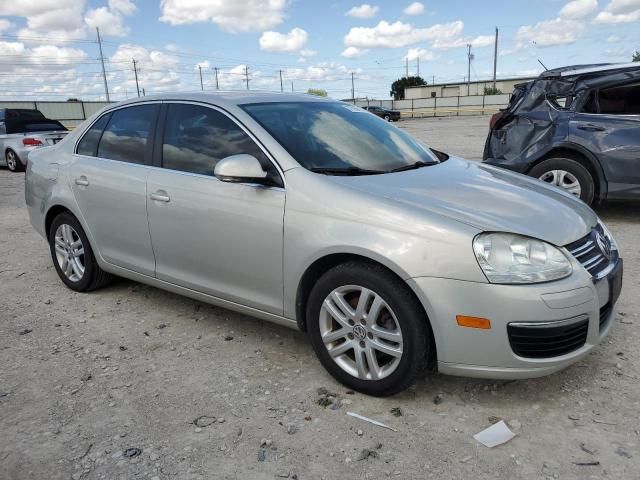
(202, 392)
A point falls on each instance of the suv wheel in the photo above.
(368, 329)
(567, 174)
(13, 162)
(73, 257)
(387, 118)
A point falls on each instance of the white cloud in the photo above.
(110, 23)
(323, 71)
(353, 52)
(308, 53)
(123, 7)
(613, 39)
(363, 11)
(60, 20)
(5, 25)
(283, 42)
(477, 42)
(203, 65)
(550, 32)
(232, 16)
(619, 11)
(399, 34)
(156, 69)
(420, 53)
(578, 9)
(416, 8)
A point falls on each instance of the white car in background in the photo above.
(21, 131)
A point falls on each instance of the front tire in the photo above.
(387, 118)
(368, 329)
(567, 174)
(73, 257)
(13, 162)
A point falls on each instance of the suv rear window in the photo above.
(29, 126)
(623, 100)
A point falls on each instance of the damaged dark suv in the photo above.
(576, 127)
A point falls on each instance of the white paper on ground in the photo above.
(496, 434)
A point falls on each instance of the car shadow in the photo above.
(619, 211)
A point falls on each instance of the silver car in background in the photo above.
(22, 131)
(316, 215)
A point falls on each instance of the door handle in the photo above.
(82, 181)
(160, 196)
(590, 128)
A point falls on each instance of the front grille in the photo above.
(604, 315)
(589, 253)
(547, 340)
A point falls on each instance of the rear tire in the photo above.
(387, 118)
(391, 320)
(568, 174)
(13, 162)
(73, 257)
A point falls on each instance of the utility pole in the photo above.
(292, 85)
(407, 61)
(281, 87)
(135, 71)
(495, 59)
(216, 70)
(468, 68)
(418, 69)
(104, 74)
(201, 84)
(144, 94)
(353, 91)
(246, 75)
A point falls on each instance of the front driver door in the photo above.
(222, 239)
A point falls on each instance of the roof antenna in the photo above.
(543, 65)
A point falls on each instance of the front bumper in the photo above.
(488, 353)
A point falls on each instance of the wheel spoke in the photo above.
(78, 252)
(340, 349)
(361, 364)
(68, 271)
(335, 335)
(60, 242)
(60, 249)
(372, 361)
(66, 233)
(363, 300)
(342, 305)
(384, 348)
(385, 334)
(374, 310)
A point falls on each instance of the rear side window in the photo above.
(89, 143)
(623, 100)
(126, 135)
(196, 138)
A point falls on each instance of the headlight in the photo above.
(511, 258)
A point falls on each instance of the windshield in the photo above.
(324, 136)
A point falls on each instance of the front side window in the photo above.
(125, 137)
(338, 136)
(197, 137)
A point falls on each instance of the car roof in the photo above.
(229, 98)
(577, 70)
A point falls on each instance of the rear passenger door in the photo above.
(108, 177)
(223, 239)
(608, 124)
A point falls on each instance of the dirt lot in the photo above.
(84, 377)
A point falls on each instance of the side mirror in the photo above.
(242, 168)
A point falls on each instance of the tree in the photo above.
(397, 87)
(636, 56)
(318, 92)
(492, 91)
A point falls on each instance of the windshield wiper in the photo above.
(345, 171)
(413, 166)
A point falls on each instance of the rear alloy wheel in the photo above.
(387, 118)
(567, 174)
(367, 328)
(13, 162)
(73, 257)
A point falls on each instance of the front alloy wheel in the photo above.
(368, 329)
(361, 332)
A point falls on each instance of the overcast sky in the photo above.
(48, 48)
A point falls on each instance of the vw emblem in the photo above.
(604, 244)
(359, 332)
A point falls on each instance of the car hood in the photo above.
(488, 198)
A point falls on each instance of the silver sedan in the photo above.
(316, 215)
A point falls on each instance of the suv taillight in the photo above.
(31, 142)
